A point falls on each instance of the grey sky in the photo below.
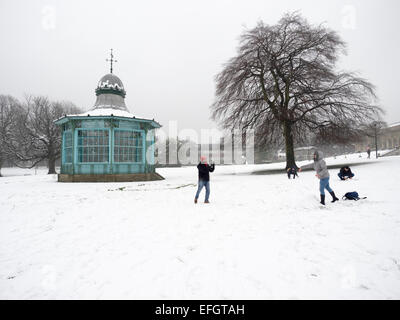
(170, 51)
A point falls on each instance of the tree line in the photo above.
(28, 134)
(284, 83)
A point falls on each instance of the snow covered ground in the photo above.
(262, 236)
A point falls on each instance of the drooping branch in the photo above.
(284, 77)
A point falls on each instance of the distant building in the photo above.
(388, 138)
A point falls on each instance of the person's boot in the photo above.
(195, 200)
(206, 201)
(334, 199)
(322, 199)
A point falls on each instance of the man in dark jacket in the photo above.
(204, 178)
(345, 173)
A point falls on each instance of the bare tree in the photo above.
(38, 138)
(335, 134)
(10, 109)
(284, 83)
(374, 130)
(375, 127)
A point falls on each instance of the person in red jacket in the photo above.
(204, 178)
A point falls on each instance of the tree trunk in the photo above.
(52, 165)
(290, 159)
(1, 164)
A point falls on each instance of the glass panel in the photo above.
(127, 146)
(68, 147)
(93, 145)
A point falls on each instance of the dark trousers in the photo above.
(344, 176)
(292, 173)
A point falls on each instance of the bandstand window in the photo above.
(93, 146)
(128, 146)
(68, 147)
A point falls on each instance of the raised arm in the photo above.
(307, 166)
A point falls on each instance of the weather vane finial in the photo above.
(111, 60)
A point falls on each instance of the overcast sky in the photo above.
(168, 52)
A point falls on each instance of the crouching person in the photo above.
(345, 173)
(204, 178)
(292, 171)
(320, 167)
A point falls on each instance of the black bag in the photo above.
(352, 196)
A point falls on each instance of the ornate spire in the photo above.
(111, 60)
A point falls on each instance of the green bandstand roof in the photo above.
(110, 104)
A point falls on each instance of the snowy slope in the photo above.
(262, 236)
